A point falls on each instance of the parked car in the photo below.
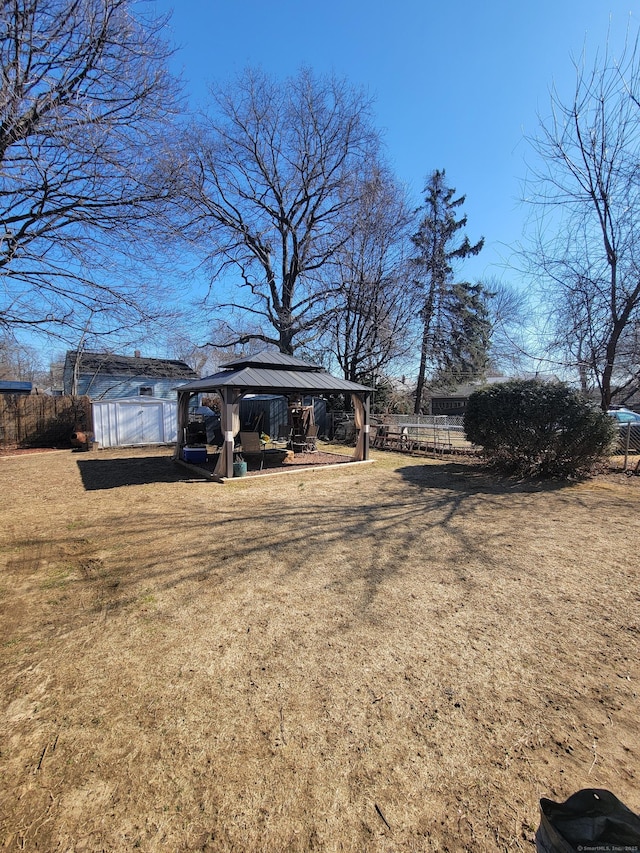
(628, 424)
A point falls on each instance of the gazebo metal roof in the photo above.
(274, 373)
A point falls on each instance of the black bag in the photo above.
(590, 820)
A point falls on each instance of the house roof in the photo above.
(464, 391)
(274, 373)
(122, 365)
(8, 386)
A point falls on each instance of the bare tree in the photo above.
(83, 101)
(268, 190)
(509, 311)
(586, 251)
(17, 360)
(204, 360)
(370, 325)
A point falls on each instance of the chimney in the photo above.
(137, 353)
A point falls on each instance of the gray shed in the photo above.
(264, 412)
(269, 373)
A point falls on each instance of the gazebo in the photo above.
(269, 373)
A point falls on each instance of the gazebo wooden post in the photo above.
(366, 426)
(227, 421)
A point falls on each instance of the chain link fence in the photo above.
(626, 453)
(445, 434)
(422, 433)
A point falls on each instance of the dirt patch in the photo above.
(300, 461)
(403, 656)
(281, 462)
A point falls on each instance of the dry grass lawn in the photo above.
(400, 657)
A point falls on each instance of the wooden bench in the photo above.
(391, 439)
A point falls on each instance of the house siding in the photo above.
(453, 406)
(119, 387)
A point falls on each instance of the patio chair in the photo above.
(252, 446)
(284, 436)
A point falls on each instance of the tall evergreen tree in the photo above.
(453, 316)
(462, 351)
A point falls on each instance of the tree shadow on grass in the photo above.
(475, 479)
(134, 471)
(429, 516)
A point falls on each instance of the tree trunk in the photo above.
(422, 370)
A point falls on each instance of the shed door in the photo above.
(140, 424)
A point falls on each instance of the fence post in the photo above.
(626, 446)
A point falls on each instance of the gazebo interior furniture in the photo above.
(268, 372)
(252, 446)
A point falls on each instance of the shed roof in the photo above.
(274, 373)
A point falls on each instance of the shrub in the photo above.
(538, 429)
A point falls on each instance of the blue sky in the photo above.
(456, 85)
